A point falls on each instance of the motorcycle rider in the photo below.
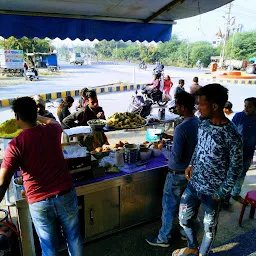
(199, 64)
(159, 68)
(155, 85)
(154, 91)
(143, 65)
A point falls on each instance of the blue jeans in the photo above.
(50, 216)
(173, 188)
(239, 183)
(189, 205)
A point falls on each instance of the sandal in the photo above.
(180, 253)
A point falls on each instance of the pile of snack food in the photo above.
(107, 148)
(9, 129)
(153, 120)
(125, 120)
(104, 148)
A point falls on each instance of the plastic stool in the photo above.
(250, 198)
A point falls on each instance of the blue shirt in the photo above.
(246, 125)
(218, 158)
(184, 142)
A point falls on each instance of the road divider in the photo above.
(119, 87)
(227, 81)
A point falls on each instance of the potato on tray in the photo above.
(119, 144)
(101, 151)
(98, 149)
(126, 120)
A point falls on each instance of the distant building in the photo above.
(239, 28)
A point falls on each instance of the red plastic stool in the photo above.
(250, 198)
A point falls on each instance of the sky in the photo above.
(205, 26)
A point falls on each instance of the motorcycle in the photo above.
(31, 74)
(143, 66)
(140, 106)
(199, 65)
(156, 96)
(159, 69)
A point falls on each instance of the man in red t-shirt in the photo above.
(47, 181)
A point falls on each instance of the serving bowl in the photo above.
(97, 124)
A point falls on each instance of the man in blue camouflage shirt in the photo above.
(215, 166)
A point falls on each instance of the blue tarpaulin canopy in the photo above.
(51, 27)
(149, 20)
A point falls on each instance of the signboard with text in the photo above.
(12, 59)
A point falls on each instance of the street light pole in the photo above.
(232, 45)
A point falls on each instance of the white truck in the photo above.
(76, 59)
(11, 62)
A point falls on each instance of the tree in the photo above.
(168, 52)
(244, 46)
(64, 53)
(202, 51)
(133, 51)
(26, 44)
(105, 48)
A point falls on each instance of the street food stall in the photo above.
(118, 185)
(111, 201)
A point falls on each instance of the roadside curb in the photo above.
(100, 89)
(228, 81)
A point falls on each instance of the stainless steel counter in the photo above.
(109, 204)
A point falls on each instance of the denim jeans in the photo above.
(239, 183)
(189, 205)
(50, 216)
(173, 188)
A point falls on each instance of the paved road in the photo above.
(77, 77)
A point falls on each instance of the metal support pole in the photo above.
(134, 75)
(116, 54)
(187, 53)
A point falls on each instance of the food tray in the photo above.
(108, 127)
